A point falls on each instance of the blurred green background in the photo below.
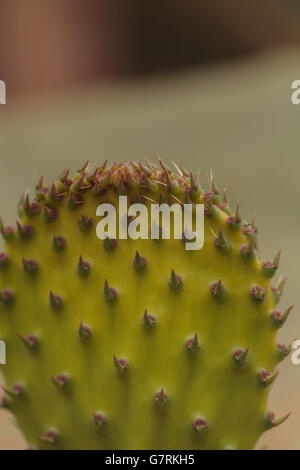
(232, 115)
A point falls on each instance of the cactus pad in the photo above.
(136, 344)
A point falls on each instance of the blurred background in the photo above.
(205, 83)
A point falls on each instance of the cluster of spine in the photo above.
(148, 183)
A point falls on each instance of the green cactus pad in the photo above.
(136, 344)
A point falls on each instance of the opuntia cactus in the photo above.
(136, 344)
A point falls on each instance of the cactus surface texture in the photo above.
(136, 344)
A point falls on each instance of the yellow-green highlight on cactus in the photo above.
(136, 344)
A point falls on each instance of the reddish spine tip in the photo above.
(8, 232)
(99, 419)
(109, 243)
(121, 364)
(50, 437)
(30, 266)
(33, 209)
(64, 175)
(200, 424)
(25, 231)
(161, 397)
(84, 331)
(51, 194)
(270, 267)
(283, 350)
(195, 189)
(234, 221)
(56, 301)
(218, 290)
(257, 293)
(149, 321)
(175, 281)
(280, 318)
(60, 379)
(249, 231)
(139, 262)
(17, 389)
(241, 355)
(77, 185)
(30, 340)
(41, 190)
(278, 290)
(110, 293)
(272, 421)
(59, 242)
(83, 267)
(212, 183)
(50, 213)
(84, 168)
(221, 242)
(85, 223)
(193, 344)
(7, 295)
(266, 377)
(248, 251)
(24, 202)
(209, 208)
(276, 315)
